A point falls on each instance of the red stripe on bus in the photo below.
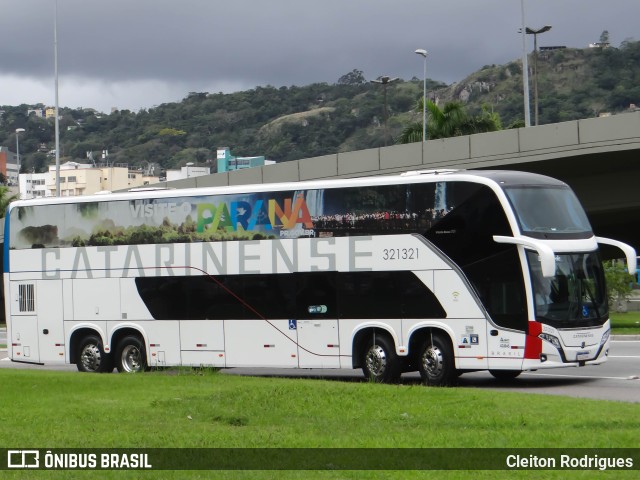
(533, 344)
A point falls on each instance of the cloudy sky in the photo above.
(139, 53)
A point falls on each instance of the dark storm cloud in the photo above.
(203, 43)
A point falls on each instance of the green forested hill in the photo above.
(288, 123)
(572, 84)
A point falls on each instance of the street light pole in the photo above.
(18, 132)
(424, 53)
(531, 31)
(384, 81)
(57, 120)
(525, 71)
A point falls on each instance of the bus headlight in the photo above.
(551, 339)
(605, 337)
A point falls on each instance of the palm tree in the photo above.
(411, 133)
(450, 121)
(5, 199)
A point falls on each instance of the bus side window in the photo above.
(394, 294)
(315, 295)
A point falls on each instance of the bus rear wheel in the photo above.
(130, 355)
(380, 362)
(91, 357)
(436, 362)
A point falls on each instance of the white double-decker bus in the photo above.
(441, 272)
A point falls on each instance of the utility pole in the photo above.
(384, 81)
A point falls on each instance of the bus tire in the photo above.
(131, 356)
(436, 362)
(91, 357)
(505, 375)
(380, 363)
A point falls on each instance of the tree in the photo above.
(196, 155)
(5, 199)
(412, 133)
(442, 123)
(604, 36)
(354, 77)
(450, 121)
(446, 122)
(618, 282)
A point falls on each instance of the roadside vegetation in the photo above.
(198, 408)
(625, 323)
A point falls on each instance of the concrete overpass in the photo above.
(598, 157)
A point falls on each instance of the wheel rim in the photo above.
(131, 359)
(433, 362)
(91, 357)
(376, 361)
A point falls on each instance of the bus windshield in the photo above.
(575, 296)
(549, 212)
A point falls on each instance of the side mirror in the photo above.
(547, 257)
(629, 252)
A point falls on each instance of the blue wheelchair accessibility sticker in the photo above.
(293, 324)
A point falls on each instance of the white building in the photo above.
(82, 179)
(187, 172)
(33, 185)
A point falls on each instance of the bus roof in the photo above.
(499, 177)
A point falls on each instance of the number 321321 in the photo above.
(400, 254)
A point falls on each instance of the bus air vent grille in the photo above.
(26, 297)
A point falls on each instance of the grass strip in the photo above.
(625, 323)
(206, 409)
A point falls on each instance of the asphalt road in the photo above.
(618, 379)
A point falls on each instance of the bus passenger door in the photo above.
(506, 348)
(49, 303)
(506, 304)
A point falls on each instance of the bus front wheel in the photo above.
(380, 362)
(436, 362)
(91, 357)
(130, 355)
